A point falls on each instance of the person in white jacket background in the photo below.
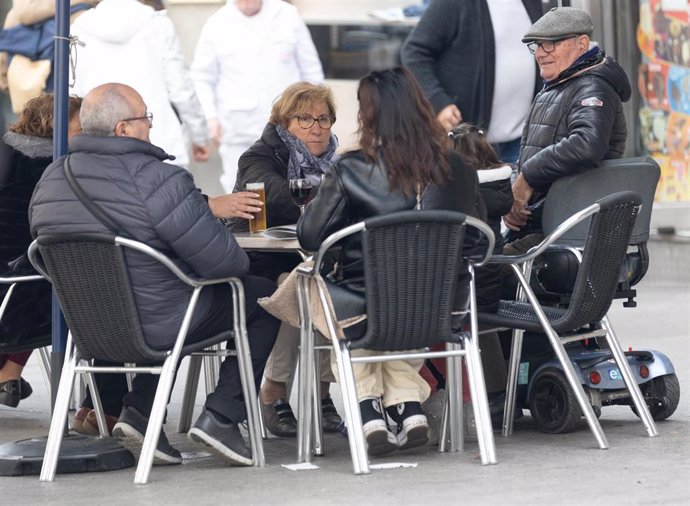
(131, 43)
(248, 52)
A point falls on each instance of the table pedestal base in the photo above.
(78, 454)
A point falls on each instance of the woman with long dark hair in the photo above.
(402, 163)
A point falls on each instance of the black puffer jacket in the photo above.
(356, 190)
(26, 321)
(152, 202)
(575, 121)
(267, 161)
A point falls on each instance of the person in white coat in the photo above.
(248, 52)
(131, 43)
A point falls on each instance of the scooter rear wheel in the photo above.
(552, 403)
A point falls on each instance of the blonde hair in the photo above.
(297, 98)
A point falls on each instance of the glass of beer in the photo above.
(258, 224)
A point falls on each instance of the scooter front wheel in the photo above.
(662, 395)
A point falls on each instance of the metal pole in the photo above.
(61, 118)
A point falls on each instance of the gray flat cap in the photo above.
(558, 23)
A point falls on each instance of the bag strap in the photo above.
(93, 208)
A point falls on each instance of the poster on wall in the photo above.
(663, 37)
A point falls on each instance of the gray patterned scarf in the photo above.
(302, 164)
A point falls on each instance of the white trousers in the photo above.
(395, 381)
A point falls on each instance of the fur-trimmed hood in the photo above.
(28, 145)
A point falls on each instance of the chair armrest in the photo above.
(488, 233)
(327, 244)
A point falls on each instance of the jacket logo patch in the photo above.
(591, 101)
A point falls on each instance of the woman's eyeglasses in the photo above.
(306, 121)
(548, 46)
(148, 116)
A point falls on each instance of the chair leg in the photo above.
(97, 404)
(244, 362)
(567, 365)
(353, 416)
(306, 379)
(155, 425)
(454, 399)
(480, 403)
(443, 433)
(59, 418)
(511, 388)
(211, 370)
(189, 396)
(44, 360)
(317, 433)
(630, 383)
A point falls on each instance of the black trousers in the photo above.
(228, 399)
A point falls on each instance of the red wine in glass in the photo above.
(301, 192)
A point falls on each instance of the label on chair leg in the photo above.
(523, 373)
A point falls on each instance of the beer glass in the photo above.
(258, 224)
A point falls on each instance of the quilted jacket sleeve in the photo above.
(182, 219)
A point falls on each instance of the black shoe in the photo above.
(130, 429)
(224, 439)
(25, 389)
(279, 418)
(413, 427)
(330, 419)
(10, 393)
(380, 440)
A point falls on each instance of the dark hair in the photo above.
(398, 129)
(471, 144)
(37, 117)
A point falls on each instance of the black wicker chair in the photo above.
(612, 221)
(91, 280)
(553, 277)
(412, 260)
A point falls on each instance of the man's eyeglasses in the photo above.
(148, 116)
(325, 122)
(548, 46)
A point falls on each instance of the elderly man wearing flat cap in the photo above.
(576, 120)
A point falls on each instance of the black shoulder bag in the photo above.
(93, 208)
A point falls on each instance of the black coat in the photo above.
(356, 190)
(150, 201)
(575, 121)
(267, 161)
(452, 53)
(26, 322)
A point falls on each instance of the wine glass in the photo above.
(301, 192)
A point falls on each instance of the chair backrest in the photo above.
(572, 193)
(412, 260)
(90, 277)
(604, 251)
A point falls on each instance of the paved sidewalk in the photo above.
(533, 468)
